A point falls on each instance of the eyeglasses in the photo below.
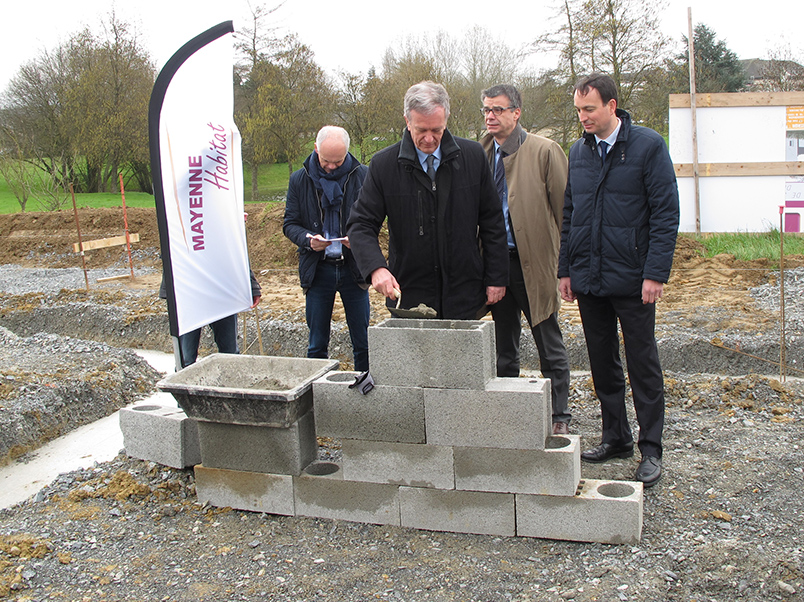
(496, 110)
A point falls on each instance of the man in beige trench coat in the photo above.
(531, 174)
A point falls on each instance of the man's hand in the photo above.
(384, 282)
(651, 291)
(494, 294)
(317, 243)
(256, 300)
(345, 242)
(565, 288)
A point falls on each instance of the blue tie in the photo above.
(499, 174)
(430, 167)
(604, 146)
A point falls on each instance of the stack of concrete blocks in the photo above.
(441, 444)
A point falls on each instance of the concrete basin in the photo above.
(254, 390)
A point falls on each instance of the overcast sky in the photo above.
(356, 38)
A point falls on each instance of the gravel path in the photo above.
(17, 280)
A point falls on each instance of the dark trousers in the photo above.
(329, 279)
(553, 360)
(225, 333)
(637, 321)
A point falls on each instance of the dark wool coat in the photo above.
(436, 232)
(621, 217)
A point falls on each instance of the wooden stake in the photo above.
(125, 224)
(259, 330)
(693, 107)
(80, 243)
(782, 345)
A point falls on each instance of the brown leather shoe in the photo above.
(560, 428)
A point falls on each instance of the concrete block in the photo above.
(555, 470)
(398, 463)
(458, 511)
(257, 390)
(332, 498)
(601, 511)
(457, 354)
(244, 490)
(385, 414)
(259, 448)
(511, 413)
(160, 434)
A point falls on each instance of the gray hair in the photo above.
(425, 97)
(507, 90)
(330, 131)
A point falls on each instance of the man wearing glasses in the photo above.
(530, 173)
(438, 195)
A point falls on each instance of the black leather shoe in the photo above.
(649, 471)
(605, 452)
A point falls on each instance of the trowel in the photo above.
(421, 311)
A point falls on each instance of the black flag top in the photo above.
(197, 172)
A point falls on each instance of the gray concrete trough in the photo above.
(249, 390)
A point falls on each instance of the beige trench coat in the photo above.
(536, 174)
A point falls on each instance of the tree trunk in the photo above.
(255, 172)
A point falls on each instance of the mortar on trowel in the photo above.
(420, 311)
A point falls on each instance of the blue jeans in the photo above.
(225, 332)
(329, 279)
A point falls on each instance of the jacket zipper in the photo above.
(421, 214)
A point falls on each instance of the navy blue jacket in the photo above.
(303, 215)
(621, 217)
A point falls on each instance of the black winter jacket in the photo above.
(621, 217)
(436, 232)
(303, 215)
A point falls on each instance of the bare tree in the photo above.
(619, 37)
(783, 71)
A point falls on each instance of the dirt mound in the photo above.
(45, 240)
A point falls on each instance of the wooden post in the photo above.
(125, 224)
(782, 342)
(693, 106)
(80, 242)
(245, 343)
(259, 329)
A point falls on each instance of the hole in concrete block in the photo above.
(341, 377)
(616, 490)
(146, 408)
(320, 469)
(556, 442)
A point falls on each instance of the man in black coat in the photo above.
(617, 242)
(447, 241)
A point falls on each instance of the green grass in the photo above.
(273, 184)
(750, 245)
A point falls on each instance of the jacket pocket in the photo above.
(620, 248)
